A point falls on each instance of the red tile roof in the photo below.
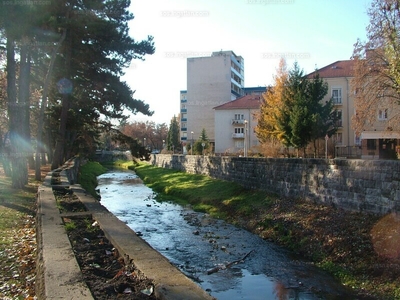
(340, 68)
(247, 102)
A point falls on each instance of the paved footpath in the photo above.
(59, 272)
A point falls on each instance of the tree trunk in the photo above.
(40, 150)
(5, 154)
(24, 99)
(16, 112)
(59, 152)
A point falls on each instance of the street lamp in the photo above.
(245, 138)
(326, 146)
(144, 142)
(191, 144)
(163, 144)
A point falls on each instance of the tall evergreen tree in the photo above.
(16, 24)
(96, 49)
(173, 142)
(324, 117)
(293, 110)
(203, 140)
(293, 127)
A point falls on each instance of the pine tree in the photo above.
(293, 112)
(323, 115)
(203, 140)
(173, 143)
(96, 49)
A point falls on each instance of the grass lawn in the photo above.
(18, 238)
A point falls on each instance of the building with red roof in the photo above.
(376, 141)
(235, 122)
(338, 75)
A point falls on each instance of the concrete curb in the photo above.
(59, 271)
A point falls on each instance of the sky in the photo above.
(315, 33)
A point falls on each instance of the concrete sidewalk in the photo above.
(59, 274)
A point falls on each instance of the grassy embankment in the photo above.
(18, 238)
(89, 172)
(339, 242)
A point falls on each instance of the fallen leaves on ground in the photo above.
(18, 262)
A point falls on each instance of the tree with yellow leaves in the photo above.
(376, 82)
(267, 130)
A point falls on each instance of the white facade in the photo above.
(235, 124)
(211, 81)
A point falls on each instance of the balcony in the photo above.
(338, 123)
(238, 135)
(183, 110)
(183, 100)
(237, 121)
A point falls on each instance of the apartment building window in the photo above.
(338, 138)
(337, 95)
(383, 114)
(339, 118)
(183, 125)
(239, 130)
(239, 116)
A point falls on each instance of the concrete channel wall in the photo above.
(358, 185)
(58, 273)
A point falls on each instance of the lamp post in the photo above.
(191, 144)
(245, 138)
(144, 142)
(326, 146)
(163, 144)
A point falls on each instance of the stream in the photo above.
(201, 247)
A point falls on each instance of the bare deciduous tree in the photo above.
(376, 82)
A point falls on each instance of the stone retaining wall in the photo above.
(71, 168)
(357, 185)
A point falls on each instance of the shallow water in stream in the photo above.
(206, 249)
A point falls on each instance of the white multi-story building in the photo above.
(211, 81)
(235, 122)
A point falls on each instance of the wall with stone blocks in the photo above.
(357, 185)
